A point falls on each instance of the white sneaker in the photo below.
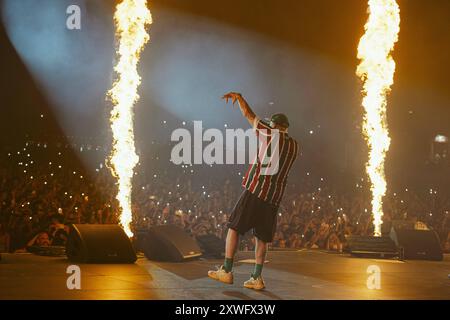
(221, 275)
(256, 284)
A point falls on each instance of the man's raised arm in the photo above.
(243, 105)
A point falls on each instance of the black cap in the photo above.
(280, 119)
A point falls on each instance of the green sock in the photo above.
(257, 271)
(228, 264)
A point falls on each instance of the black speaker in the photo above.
(418, 244)
(99, 243)
(382, 247)
(168, 243)
(211, 246)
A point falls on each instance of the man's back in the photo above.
(269, 185)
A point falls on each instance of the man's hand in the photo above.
(243, 105)
(234, 96)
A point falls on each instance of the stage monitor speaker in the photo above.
(418, 244)
(362, 246)
(99, 243)
(211, 245)
(169, 243)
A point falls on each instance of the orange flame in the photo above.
(131, 18)
(376, 69)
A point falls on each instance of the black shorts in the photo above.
(250, 212)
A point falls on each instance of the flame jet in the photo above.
(131, 19)
(376, 70)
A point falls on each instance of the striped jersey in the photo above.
(278, 149)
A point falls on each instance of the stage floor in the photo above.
(288, 275)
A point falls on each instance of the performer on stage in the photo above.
(258, 205)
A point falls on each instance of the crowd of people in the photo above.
(43, 190)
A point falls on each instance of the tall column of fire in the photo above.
(376, 69)
(131, 19)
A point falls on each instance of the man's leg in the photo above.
(224, 274)
(260, 257)
(231, 246)
(256, 282)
